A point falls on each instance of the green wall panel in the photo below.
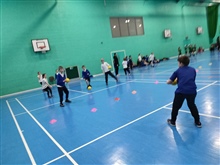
(79, 33)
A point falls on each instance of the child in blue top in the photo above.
(186, 89)
(86, 76)
(61, 80)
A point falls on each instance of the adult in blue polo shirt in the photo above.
(186, 89)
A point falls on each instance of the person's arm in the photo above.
(172, 78)
(48, 83)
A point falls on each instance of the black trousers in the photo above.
(106, 76)
(178, 102)
(61, 90)
(48, 90)
(126, 70)
(116, 69)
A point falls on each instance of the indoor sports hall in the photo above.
(124, 122)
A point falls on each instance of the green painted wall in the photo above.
(76, 30)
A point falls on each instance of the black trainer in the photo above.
(61, 105)
(198, 124)
(171, 123)
(68, 101)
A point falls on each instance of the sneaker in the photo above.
(198, 124)
(68, 101)
(171, 123)
(61, 105)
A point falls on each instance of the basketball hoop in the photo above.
(42, 47)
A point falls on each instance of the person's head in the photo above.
(183, 61)
(115, 54)
(125, 59)
(83, 67)
(102, 60)
(38, 73)
(44, 75)
(61, 69)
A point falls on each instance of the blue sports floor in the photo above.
(124, 123)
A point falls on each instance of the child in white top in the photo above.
(106, 71)
(151, 59)
(46, 86)
(125, 66)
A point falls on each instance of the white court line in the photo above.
(77, 91)
(48, 134)
(125, 125)
(201, 114)
(100, 137)
(72, 98)
(22, 136)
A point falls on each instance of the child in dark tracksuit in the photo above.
(61, 79)
(186, 89)
(86, 76)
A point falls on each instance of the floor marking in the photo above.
(125, 125)
(78, 91)
(207, 86)
(201, 114)
(21, 135)
(119, 128)
(73, 98)
(48, 134)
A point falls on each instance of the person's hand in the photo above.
(169, 81)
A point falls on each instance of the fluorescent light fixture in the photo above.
(140, 25)
(114, 26)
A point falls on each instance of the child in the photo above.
(46, 86)
(125, 66)
(186, 89)
(86, 76)
(130, 62)
(61, 79)
(39, 76)
(116, 63)
(151, 59)
(106, 71)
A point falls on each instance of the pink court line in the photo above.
(123, 126)
(201, 114)
(48, 134)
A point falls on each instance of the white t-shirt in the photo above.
(39, 78)
(139, 58)
(151, 57)
(44, 83)
(125, 64)
(105, 66)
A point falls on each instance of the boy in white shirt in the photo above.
(46, 86)
(125, 66)
(106, 71)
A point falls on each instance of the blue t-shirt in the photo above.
(186, 76)
(85, 74)
(60, 80)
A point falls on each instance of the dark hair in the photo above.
(184, 60)
(83, 66)
(43, 75)
(60, 67)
